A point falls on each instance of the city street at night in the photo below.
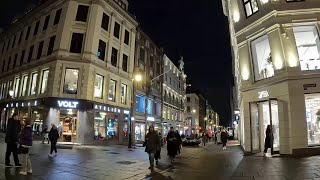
(116, 162)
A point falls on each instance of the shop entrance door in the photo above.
(264, 113)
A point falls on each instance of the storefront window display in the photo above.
(308, 45)
(125, 129)
(98, 87)
(106, 126)
(313, 118)
(37, 119)
(140, 103)
(71, 81)
(69, 124)
(140, 132)
(262, 59)
(44, 81)
(33, 83)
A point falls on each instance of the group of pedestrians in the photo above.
(19, 141)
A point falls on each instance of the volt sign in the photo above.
(68, 104)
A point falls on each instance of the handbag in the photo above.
(23, 150)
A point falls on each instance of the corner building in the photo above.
(70, 63)
(276, 51)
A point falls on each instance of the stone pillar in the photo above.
(120, 127)
(246, 127)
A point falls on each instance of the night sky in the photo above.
(194, 29)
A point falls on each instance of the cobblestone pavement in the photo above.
(117, 162)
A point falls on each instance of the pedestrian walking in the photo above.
(224, 139)
(204, 139)
(25, 141)
(219, 137)
(53, 137)
(152, 144)
(157, 156)
(267, 141)
(13, 129)
(172, 145)
(179, 142)
(215, 137)
(45, 133)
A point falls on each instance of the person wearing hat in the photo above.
(13, 130)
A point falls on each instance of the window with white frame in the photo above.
(123, 93)
(33, 83)
(98, 86)
(262, 59)
(308, 45)
(112, 90)
(71, 81)
(24, 85)
(44, 81)
(250, 6)
(16, 86)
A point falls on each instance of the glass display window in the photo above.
(313, 118)
(98, 86)
(68, 124)
(308, 45)
(44, 81)
(33, 83)
(71, 81)
(262, 59)
(112, 90)
(100, 127)
(139, 131)
(112, 127)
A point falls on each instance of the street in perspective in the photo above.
(155, 89)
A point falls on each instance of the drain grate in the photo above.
(126, 162)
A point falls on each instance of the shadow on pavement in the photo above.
(157, 176)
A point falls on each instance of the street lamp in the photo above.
(11, 93)
(137, 78)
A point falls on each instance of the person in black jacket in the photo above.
(13, 130)
(53, 137)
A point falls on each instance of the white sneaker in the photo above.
(50, 155)
(23, 173)
(30, 172)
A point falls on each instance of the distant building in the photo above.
(212, 121)
(174, 90)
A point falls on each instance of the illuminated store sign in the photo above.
(22, 104)
(68, 104)
(263, 94)
(110, 109)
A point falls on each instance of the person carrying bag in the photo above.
(25, 141)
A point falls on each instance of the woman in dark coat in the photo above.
(224, 139)
(53, 137)
(267, 141)
(179, 142)
(172, 144)
(25, 141)
(152, 145)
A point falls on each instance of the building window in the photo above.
(71, 81)
(140, 102)
(28, 32)
(114, 57)
(15, 61)
(102, 50)
(46, 23)
(105, 21)
(3, 65)
(251, 7)
(8, 65)
(126, 37)
(24, 85)
(116, 31)
(36, 28)
(82, 13)
(98, 86)
(262, 60)
(14, 41)
(20, 37)
(40, 49)
(123, 98)
(188, 99)
(22, 57)
(44, 81)
(125, 63)
(16, 86)
(76, 43)
(33, 83)
(188, 109)
(30, 54)
(142, 54)
(308, 45)
(51, 45)
(150, 107)
(4, 93)
(112, 90)
(57, 17)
